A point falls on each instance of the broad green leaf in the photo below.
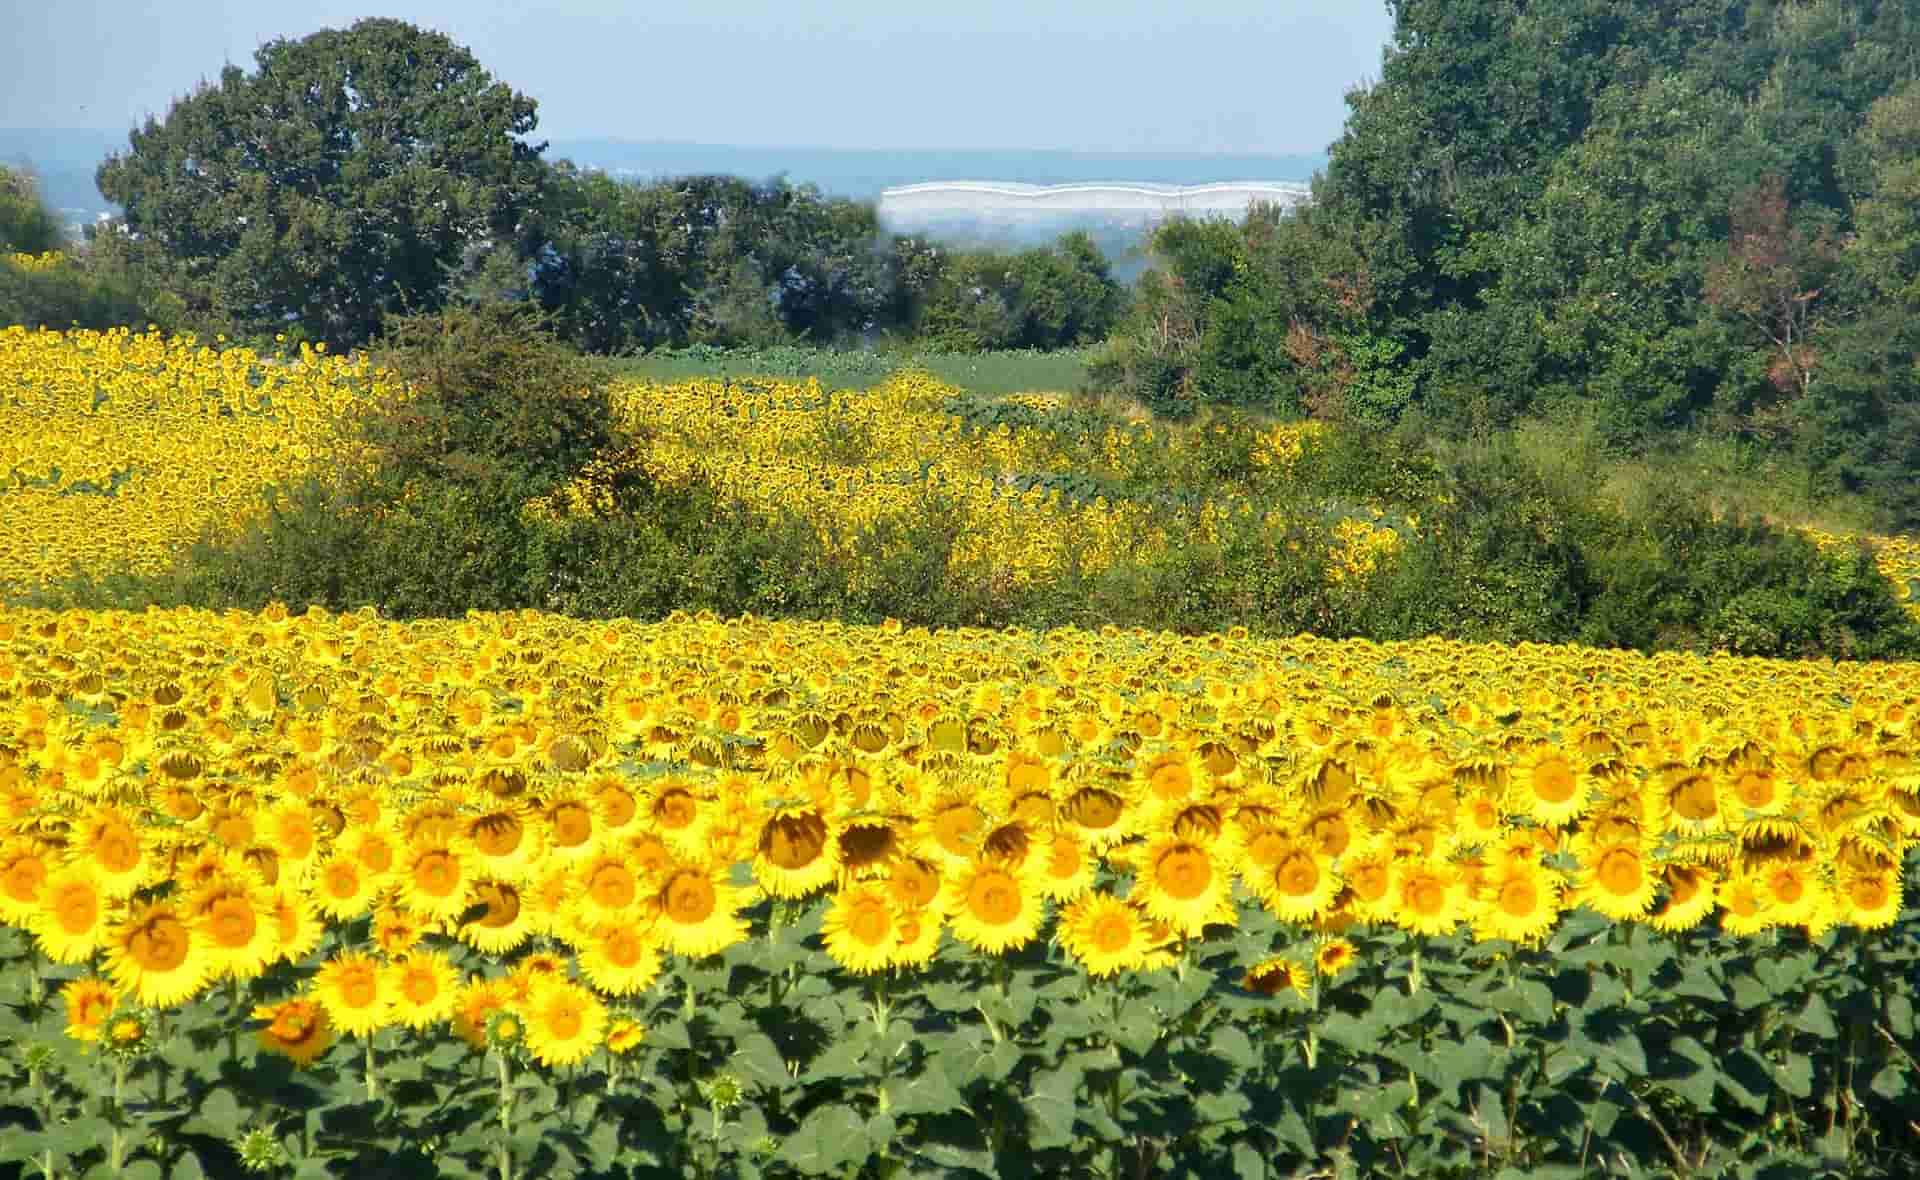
(1248, 1164)
(1894, 1081)
(1795, 1075)
(1050, 1101)
(844, 1058)
(827, 1140)
(219, 1115)
(1528, 998)
(1816, 1018)
(1227, 1106)
(1234, 1046)
(759, 1059)
(928, 1092)
(1900, 1015)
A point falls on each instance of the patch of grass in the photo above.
(977, 372)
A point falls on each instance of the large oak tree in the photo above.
(341, 180)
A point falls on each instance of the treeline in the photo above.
(1679, 216)
(379, 170)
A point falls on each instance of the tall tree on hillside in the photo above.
(337, 183)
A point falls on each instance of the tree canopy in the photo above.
(338, 182)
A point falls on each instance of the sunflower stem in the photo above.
(373, 1077)
(503, 1157)
(116, 1151)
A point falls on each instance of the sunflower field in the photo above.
(522, 895)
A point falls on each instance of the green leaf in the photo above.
(1782, 976)
(1232, 1045)
(1050, 1102)
(1695, 1087)
(219, 1115)
(1530, 999)
(844, 1058)
(1137, 1030)
(1227, 1106)
(928, 1092)
(827, 1140)
(1900, 1015)
(1893, 1082)
(759, 1059)
(1816, 1018)
(1248, 1164)
(1795, 1075)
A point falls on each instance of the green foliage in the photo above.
(1609, 1050)
(27, 226)
(336, 184)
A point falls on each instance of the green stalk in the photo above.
(503, 1157)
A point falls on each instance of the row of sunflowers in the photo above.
(190, 798)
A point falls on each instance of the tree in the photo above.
(26, 225)
(338, 183)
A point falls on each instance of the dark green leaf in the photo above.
(1050, 1101)
(826, 1141)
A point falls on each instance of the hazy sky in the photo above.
(1088, 75)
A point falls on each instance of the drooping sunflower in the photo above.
(564, 1023)
(860, 929)
(357, 999)
(423, 986)
(89, 1001)
(155, 956)
(505, 843)
(993, 906)
(1105, 933)
(698, 910)
(1180, 883)
(1101, 815)
(1692, 892)
(503, 920)
(795, 853)
(1274, 976)
(1518, 900)
(70, 923)
(620, 960)
(297, 1029)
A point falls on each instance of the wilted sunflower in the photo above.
(1105, 933)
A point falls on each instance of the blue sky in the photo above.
(1090, 75)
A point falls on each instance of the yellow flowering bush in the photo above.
(44, 261)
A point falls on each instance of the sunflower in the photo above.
(951, 830)
(1104, 933)
(344, 889)
(1794, 894)
(1518, 900)
(1333, 956)
(296, 927)
(573, 828)
(860, 930)
(1548, 787)
(624, 1035)
(423, 986)
(1743, 906)
(1869, 899)
(374, 848)
(620, 960)
(1692, 892)
(794, 856)
(89, 1001)
(680, 816)
(434, 881)
(349, 986)
(993, 906)
(564, 1023)
(1300, 886)
(70, 921)
(506, 845)
(917, 938)
(234, 918)
(1100, 816)
(106, 837)
(608, 892)
(396, 930)
(155, 956)
(502, 921)
(1427, 897)
(1271, 977)
(697, 911)
(297, 1029)
(1181, 884)
(1065, 868)
(865, 848)
(476, 1004)
(913, 884)
(1687, 800)
(1369, 878)
(1166, 774)
(1616, 881)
